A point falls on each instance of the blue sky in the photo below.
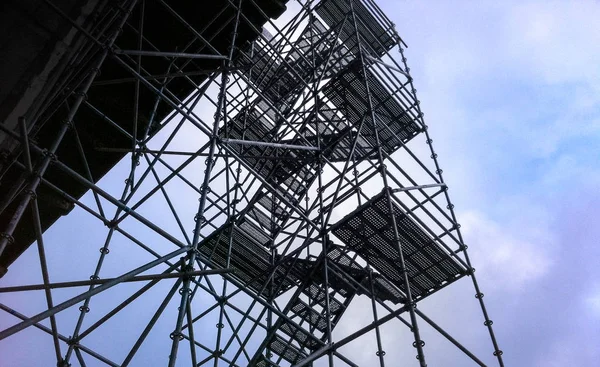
(511, 93)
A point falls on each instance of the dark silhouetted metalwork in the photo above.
(278, 173)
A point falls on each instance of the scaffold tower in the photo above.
(259, 179)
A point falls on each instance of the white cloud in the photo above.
(592, 301)
(569, 168)
(557, 40)
(510, 259)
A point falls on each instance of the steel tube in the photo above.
(60, 336)
(123, 304)
(418, 344)
(333, 346)
(443, 185)
(58, 308)
(267, 144)
(169, 54)
(151, 323)
(139, 278)
(45, 162)
(450, 338)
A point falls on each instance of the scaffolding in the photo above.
(306, 187)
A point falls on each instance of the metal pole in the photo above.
(326, 349)
(49, 154)
(151, 323)
(266, 144)
(380, 352)
(58, 308)
(418, 343)
(450, 338)
(204, 193)
(169, 54)
(40, 243)
(63, 338)
(478, 294)
(139, 278)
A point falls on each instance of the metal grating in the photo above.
(395, 125)
(340, 147)
(281, 80)
(316, 294)
(263, 362)
(302, 336)
(336, 135)
(318, 49)
(249, 124)
(294, 172)
(259, 65)
(309, 315)
(286, 350)
(266, 223)
(273, 204)
(288, 174)
(274, 77)
(249, 259)
(369, 232)
(383, 290)
(254, 232)
(375, 33)
(267, 109)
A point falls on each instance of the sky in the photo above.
(511, 94)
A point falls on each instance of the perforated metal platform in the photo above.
(266, 222)
(344, 278)
(263, 362)
(317, 53)
(318, 50)
(305, 329)
(288, 351)
(395, 125)
(344, 259)
(336, 135)
(369, 232)
(267, 200)
(293, 169)
(317, 296)
(276, 77)
(374, 28)
(249, 124)
(261, 68)
(300, 335)
(250, 260)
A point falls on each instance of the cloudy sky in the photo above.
(511, 93)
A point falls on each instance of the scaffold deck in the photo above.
(376, 33)
(248, 258)
(395, 124)
(369, 232)
(288, 351)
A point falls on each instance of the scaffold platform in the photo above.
(396, 124)
(369, 231)
(373, 26)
